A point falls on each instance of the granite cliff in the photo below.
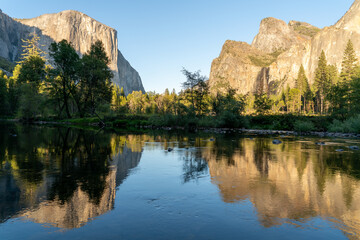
(76, 27)
(273, 59)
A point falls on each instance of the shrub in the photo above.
(303, 126)
(351, 125)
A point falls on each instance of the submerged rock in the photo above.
(339, 150)
(170, 149)
(320, 143)
(276, 141)
(354, 148)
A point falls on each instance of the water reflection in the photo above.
(61, 176)
(65, 177)
(294, 181)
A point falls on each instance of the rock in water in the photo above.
(276, 142)
(77, 28)
(354, 148)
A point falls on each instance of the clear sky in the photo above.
(159, 37)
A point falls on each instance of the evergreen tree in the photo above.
(262, 103)
(4, 97)
(349, 62)
(32, 48)
(322, 80)
(29, 77)
(303, 85)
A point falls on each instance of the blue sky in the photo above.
(159, 37)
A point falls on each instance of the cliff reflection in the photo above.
(293, 181)
(61, 176)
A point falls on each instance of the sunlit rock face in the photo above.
(287, 47)
(77, 28)
(275, 35)
(289, 183)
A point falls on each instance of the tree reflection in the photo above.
(194, 166)
(63, 167)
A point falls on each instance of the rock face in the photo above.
(75, 27)
(282, 48)
(275, 35)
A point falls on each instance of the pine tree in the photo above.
(302, 84)
(322, 80)
(32, 48)
(349, 62)
(4, 103)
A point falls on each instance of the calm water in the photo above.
(60, 183)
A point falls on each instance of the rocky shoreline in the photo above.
(265, 132)
(255, 132)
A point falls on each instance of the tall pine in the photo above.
(322, 80)
(302, 84)
(348, 63)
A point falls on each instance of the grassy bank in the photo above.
(286, 122)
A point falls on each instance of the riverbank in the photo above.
(143, 124)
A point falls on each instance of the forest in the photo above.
(62, 85)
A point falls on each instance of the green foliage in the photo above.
(294, 100)
(32, 48)
(302, 82)
(348, 63)
(32, 71)
(264, 60)
(262, 103)
(29, 102)
(95, 86)
(6, 64)
(196, 90)
(64, 77)
(351, 125)
(322, 80)
(355, 95)
(4, 96)
(228, 119)
(305, 30)
(303, 126)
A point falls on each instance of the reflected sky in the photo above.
(69, 183)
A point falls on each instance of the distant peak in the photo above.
(351, 20)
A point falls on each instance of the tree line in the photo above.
(70, 86)
(74, 86)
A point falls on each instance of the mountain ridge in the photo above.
(77, 28)
(294, 44)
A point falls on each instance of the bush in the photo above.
(304, 126)
(351, 125)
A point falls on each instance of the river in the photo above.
(68, 183)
